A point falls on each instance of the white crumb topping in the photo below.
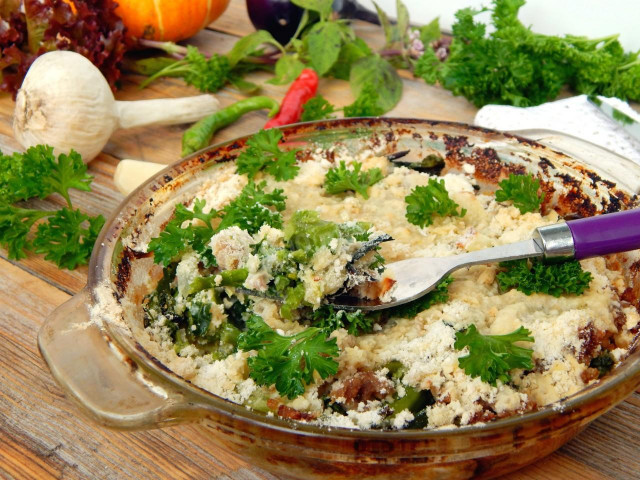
(424, 345)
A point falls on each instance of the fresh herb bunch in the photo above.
(207, 74)
(263, 153)
(492, 357)
(342, 179)
(423, 203)
(250, 210)
(515, 66)
(534, 276)
(68, 235)
(325, 43)
(522, 190)
(288, 362)
(329, 319)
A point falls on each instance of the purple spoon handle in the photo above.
(603, 234)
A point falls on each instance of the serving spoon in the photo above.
(583, 238)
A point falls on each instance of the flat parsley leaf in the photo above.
(263, 153)
(288, 362)
(522, 190)
(491, 357)
(69, 172)
(533, 276)
(423, 203)
(341, 179)
(317, 108)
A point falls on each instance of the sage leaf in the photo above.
(248, 44)
(376, 71)
(324, 41)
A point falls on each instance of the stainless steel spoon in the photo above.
(584, 238)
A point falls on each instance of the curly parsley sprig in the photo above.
(263, 153)
(423, 203)
(534, 276)
(342, 179)
(251, 209)
(67, 236)
(522, 190)
(491, 357)
(288, 362)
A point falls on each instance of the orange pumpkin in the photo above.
(168, 20)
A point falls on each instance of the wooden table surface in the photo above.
(43, 435)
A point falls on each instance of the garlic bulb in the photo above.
(65, 102)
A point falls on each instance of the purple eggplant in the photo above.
(281, 17)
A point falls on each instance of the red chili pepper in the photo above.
(301, 90)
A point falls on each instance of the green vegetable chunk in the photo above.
(263, 153)
(522, 190)
(199, 134)
(342, 179)
(534, 276)
(603, 362)
(491, 357)
(288, 362)
(423, 203)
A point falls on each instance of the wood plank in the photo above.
(42, 433)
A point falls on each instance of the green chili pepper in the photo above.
(199, 135)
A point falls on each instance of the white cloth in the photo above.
(574, 116)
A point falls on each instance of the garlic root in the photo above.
(65, 102)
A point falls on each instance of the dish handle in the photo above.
(100, 377)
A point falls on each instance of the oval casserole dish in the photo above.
(90, 342)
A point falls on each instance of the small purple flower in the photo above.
(416, 47)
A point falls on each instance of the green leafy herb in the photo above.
(440, 294)
(515, 66)
(491, 357)
(534, 276)
(342, 179)
(68, 235)
(423, 203)
(376, 75)
(249, 211)
(287, 69)
(317, 108)
(366, 105)
(263, 153)
(522, 190)
(254, 208)
(323, 42)
(329, 319)
(288, 362)
(206, 74)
